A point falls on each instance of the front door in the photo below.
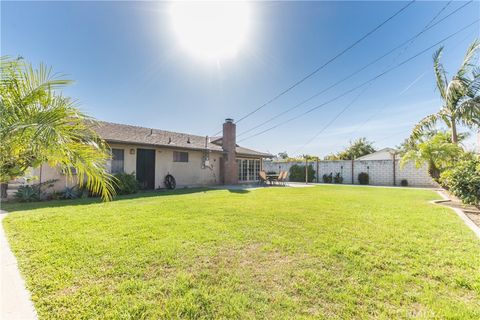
(146, 168)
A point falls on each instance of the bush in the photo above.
(34, 192)
(327, 178)
(463, 180)
(27, 194)
(404, 183)
(338, 178)
(126, 183)
(297, 173)
(71, 193)
(363, 178)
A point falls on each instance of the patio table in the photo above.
(272, 177)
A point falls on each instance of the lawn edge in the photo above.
(15, 299)
(469, 223)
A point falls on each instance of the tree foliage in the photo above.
(356, 149)
(463, 179)
(38, 124)
(436, 149)
(460, 96)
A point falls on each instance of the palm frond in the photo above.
(427, 123)
(440, 74)
(466, 65)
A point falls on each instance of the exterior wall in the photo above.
(380, 171)
(45, 173)
(191, 173)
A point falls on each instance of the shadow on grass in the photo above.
(23, 206)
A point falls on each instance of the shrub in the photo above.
(70, 193)
(27, 194)
(297, 173)
(338, 178)
(34, 192)
(126, 183)
(463, 180)
(404, 183)
(327, 178)
(363, 178)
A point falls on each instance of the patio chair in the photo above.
(282, 178)
(262, 177)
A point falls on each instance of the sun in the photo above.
(211, 30)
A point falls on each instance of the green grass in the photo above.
(323, 252)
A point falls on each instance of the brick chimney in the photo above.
(229, 144)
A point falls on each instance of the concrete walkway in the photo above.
(15, 303)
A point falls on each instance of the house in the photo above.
(151, 154)
(382, 154)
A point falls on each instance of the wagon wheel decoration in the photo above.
(170, 182)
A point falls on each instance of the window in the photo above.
(179, 156)
(117, 161)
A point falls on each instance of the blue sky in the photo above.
(129, 67)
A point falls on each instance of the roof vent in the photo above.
(169, 140)
(188, 140)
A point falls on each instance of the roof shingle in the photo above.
(123, 133)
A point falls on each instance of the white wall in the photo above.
(380, 171)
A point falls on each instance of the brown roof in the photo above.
(123, 133)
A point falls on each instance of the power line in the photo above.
(406, 42)
(361, 85)
(326, 63)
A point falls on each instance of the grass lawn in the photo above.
(322, 252)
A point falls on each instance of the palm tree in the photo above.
(38, 125)
(461, 96)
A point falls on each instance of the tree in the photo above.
(38, 124)
(283, 155)
(356, 149)
(436, 149)
(461, 99)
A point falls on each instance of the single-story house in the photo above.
(151, 154)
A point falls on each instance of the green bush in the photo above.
(71, 193)
(463, 180)
(34, 192)
(363, 178)
(126, 183)
(337, 178)
(327, 178)
(27, 194)
(297, 173)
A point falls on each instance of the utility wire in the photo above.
(325, 64)
(362, 84)
(357, 71)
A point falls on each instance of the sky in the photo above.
(130, 66)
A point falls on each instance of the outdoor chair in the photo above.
(282, 178)
(262, 177)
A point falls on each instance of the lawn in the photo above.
(321, 252)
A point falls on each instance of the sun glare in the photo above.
(212, 30)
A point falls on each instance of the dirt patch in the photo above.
(472, 212)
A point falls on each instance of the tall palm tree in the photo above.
(461, 96)
(38, 124)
